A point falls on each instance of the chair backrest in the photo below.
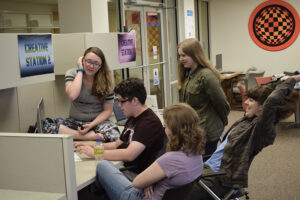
(262, 80)
(250, 69)
(251, 75)
(180, 192)
(243, 93)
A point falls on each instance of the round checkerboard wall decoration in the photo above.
(274, 25)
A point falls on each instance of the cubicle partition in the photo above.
(67, 48)
(37, 165)
(19, 96)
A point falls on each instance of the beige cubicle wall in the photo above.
(37, 163)
(67, 48)
(20, 96)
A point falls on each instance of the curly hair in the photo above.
(186, 134)
(192, 47)
(130, 88)
(102, 85)
(285, 109)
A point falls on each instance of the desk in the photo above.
(30, 195)
(227, 80)
(86, 171)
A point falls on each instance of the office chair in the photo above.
(262, 80)
(180, 192)
(252, 75)
(244, 96)
(234, 193)
(248, 80)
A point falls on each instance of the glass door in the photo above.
(146, 23)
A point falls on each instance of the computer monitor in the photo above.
(219, 62)
(40, 116)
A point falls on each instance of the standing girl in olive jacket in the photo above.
(199, 86)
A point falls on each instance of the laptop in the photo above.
(40, 116)
(120, 117)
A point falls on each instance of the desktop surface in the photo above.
(30, 195)
(86, 170)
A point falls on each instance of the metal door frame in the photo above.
(146, 72)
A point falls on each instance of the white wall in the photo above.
(230, 37)
(27, 6)
(83, 16)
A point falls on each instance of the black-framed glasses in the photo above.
(90, 62)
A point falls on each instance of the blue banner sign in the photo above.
(35, 54)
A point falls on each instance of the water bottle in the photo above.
(98, 150)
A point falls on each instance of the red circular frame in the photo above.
(288, 7)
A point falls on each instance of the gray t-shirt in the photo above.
(87, 106)
(179, 168)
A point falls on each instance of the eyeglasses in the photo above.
(90, 62)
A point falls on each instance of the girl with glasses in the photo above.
(89, 88)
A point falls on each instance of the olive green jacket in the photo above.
(202, 90)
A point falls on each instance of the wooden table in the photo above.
(227, 80)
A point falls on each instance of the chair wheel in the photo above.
(246, 195)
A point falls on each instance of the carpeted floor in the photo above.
(274, 173)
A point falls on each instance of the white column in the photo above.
(83, 16)
(186, 15)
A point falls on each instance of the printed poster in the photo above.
(126, 47)
(190, 27)
(35, 54)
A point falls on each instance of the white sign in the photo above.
(189, 24)
(155, 52)
(155, 76)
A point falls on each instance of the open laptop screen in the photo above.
(40, 115)
(118, 112)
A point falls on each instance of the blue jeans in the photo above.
(116, 185)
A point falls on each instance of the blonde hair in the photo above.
(191, 47)
(102, 84)
(186, 134)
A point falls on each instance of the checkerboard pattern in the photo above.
(274, 25)
(153, 33)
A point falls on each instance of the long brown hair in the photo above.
(186, 134)
(102, 84)
(191, 47)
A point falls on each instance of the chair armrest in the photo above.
(205, 157)
(212, 174)
(127, 168)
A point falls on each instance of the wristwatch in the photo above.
(80, 69)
